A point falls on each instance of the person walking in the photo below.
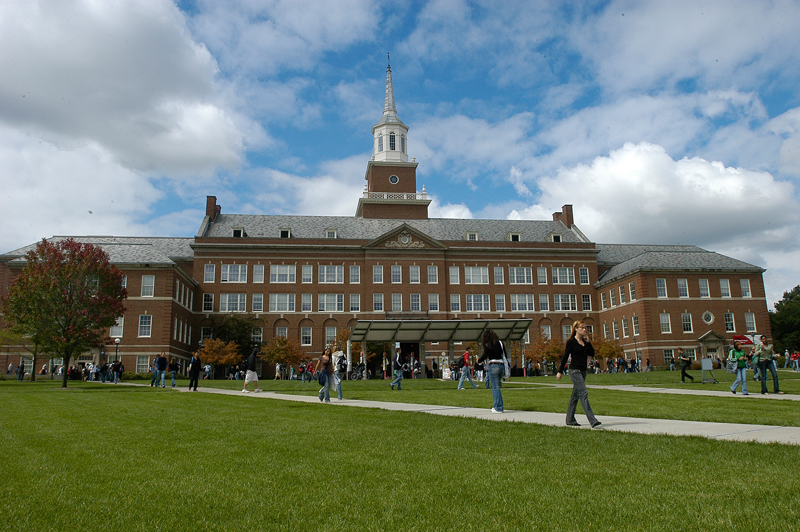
(325, 367)
(21, 370)
(251, 375)
(397, 366)
(578, 351)
(764, 356)
(493, 353)
(161, 366)
(173, 369)
(340, 373)
(686, 363)
(154, 372)
(465, 370)
(194, 371)
(738, 354)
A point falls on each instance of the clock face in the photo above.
(393, 179)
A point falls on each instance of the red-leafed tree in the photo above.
(220, 353)
(65, 298)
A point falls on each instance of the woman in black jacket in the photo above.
(493, 352)
(194, 371)
(579, 349)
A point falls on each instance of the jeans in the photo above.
(465, 374)
(173, 377)
(160, 374)
(325, 391)
(795, 364)
(763, 366)
(339, 386)
(579, 393)
(496, 372)
(741, 376)
(398, 376)
(116, 377)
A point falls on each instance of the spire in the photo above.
(390, 134)
(388, 102)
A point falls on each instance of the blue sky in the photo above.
(661, 122)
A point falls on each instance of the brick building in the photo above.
(309, 277)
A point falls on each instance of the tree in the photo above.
(281, 350)
(785, 321)
(237, 328)
(65, 298)
(219, 352)
(9, 337)
(607, 348)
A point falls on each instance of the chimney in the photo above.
(212, 209)
(565, 216)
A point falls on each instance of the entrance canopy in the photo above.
(412, 331)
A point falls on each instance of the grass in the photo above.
(99, 457)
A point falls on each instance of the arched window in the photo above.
(391, 142)
(380, 142)
(403, 143)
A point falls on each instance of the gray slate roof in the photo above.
(125, 250)
(348, 227)
(630, 258)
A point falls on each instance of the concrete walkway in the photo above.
(720, 431)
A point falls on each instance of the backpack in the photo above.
(460, 362)
(341, 366)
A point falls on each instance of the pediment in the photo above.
(404, 237)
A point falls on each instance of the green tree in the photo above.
(785, 321)
(237, 328)
(64, 299)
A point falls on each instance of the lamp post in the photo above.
(116, 354)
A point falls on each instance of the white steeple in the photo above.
(390, 134)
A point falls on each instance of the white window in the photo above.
(413, 274)
(686, 322)
(307, 274)
(498, 275)
(282, 273)
(282, 303)
(544, 330)
(635, 320)
(145, 325)
(724, 288)
(730, 326)
(142, 363)
(476, 275)
(232, 302)
(331, 274)
(455, 303)
(750, 322)
(355, 302)
(586, 302)
(683, 288)
(331, 302)
(377, 274)
(305, 335)
(520, 275)
(625, 330)
(281, 331)
(209, 273)
(208, 302)
(615, 326)
(544, 303)
(584, 275)
(666, 326)
(116, 330)
(565, 302)
(148, 285)
(433, 302)
(330, 233)
(205, 333)
(661, 287)
(257, 336)
(397, 274)
(377, 302)
(566, 332)
(258, 302)
(306, 303)
(621, 295)
(613, 294)
(472, 236)
(258, 273)
(124, 281)
(478, 303)
(433, 274)
(234, 273)
(745, 284)
(605, 331)
(563, 275)
(415, 304)
(522, 303)
(330, 335)
(541, 275)
(704, 292)
(355, 274)
(454, 278)
(397, 302)
(604, 300)
(632, 290)
(500, 303)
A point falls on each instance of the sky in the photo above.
(660, 122)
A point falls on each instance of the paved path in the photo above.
(721, 431)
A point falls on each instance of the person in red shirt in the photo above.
(465, 370)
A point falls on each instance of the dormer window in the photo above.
(330, 233)
(380, 142)
(472, 236)
(286, 233)
(238, 232)
(512, 237)
(555, 238)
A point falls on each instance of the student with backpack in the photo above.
(340, 372)
(463, 364)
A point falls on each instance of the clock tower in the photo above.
(391, 188)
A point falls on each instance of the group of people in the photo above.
(762, 357)
(159, 369)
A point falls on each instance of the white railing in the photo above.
(396, 195)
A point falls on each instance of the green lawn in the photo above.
(101, 457)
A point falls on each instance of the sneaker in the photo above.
(779, 393)
(392, 385)
(245, 391)
(733, 392)
(257, 390)
(573, 424)
(596, 424)
(496, 411)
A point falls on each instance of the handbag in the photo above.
(731, 365)
(322, 377)
(506, 366)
